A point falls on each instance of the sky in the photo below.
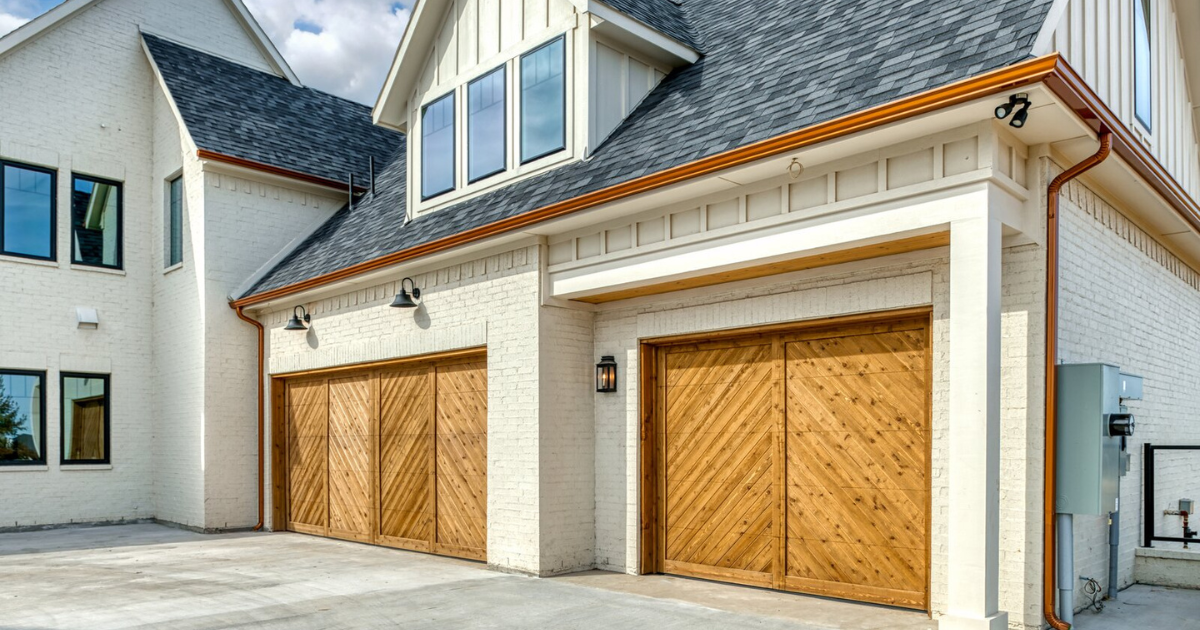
(344, 47)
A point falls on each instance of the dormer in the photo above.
(493, 91)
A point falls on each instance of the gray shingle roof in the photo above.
(245, 113)
(665, 16)
(770, 67)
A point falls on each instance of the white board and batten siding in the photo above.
(1096, 37)
(477, 37)
(619, 83)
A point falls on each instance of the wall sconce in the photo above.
(300, 317)
(402, 298)
(606, 375)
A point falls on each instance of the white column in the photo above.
(974, 467)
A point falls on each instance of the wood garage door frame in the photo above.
(652, 401)
(279, 446)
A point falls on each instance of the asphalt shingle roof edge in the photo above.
(735, 96)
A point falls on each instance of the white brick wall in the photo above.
(151, 324)
(861, 288)
(540, 501)
(1127, 301)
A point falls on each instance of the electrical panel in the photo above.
(1092, 427)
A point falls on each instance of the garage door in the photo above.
(796, 460)
(395, 456)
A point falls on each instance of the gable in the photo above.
(222, 27)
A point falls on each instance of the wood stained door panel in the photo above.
(352, 458)
(307, 457)
(719, 450)
(857, 461)
(461, 460)
(395, 455)
(406, 475)
(793, 459)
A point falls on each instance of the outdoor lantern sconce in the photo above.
(300, 317)
(606, 375)
(403, 300)
(1022, 114)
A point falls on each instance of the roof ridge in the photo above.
(193, 48)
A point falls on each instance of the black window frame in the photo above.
(120, 186)
(453, 146)
(53, 173)
(62, 419)
(467, 119)
(171, 225)
(521, 89)
(41, 374)
(1145, 8)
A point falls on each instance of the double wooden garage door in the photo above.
(394, 456)
(795, 461)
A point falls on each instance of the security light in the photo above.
(1022, 114)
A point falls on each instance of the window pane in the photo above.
(96, 223)
(28, 212)
(1143, 102)
(485, 125)
(543, 101)
(22, 426)
(175, 223)
(437, 147)
(85, 422)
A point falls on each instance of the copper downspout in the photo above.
(261, 410)
(1050, 531)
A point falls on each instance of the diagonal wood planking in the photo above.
(394, 456)
(308, 426)
(352, 461)
(857, 456)
(799, 460)
(461, 456)
(719, 451)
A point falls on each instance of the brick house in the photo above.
(748, 291)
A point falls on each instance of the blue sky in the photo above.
(340, 46)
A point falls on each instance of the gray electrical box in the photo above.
(1091, 423)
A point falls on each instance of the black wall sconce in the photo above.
(299, 318)
(1022, 114)
(403, 300)
(606, 375)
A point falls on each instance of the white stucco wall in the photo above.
(88, 106)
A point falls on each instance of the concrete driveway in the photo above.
(148, 576)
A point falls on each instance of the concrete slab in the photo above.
(1145, 607)
(148, 576)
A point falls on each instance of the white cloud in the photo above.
(9, 23)
(340, 46)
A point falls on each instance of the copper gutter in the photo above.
(213, 156)
(1050, 531)
(261, 411)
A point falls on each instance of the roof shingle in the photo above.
(253, 115)
(770, 67)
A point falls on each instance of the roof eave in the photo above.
(419, 34)
(629, 30)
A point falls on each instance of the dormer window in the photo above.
(486, 129)
(1142, 71)
(543, 101)
(437, 147)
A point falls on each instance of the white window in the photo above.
(486, 130)
(437, 147)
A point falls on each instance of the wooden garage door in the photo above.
(393, 456)
(797, 461)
